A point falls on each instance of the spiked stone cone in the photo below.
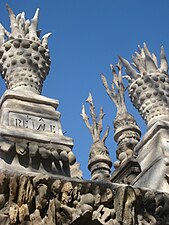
(24, 58)
(148, 88)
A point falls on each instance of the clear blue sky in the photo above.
(88, 35)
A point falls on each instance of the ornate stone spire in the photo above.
(127, 133)
(31, 137)
(99, 160)
(149, 84)
(24, 58)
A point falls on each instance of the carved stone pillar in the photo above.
(31, 138)
(148, 90)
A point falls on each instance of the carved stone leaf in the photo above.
(33, 148)
(6, 146)
(21, 148)
(45, 153)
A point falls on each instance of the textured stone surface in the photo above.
(24, 58)
(148, 88)
(44, 200)
(127, 172)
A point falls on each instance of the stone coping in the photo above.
(29, 97)
(13, 132)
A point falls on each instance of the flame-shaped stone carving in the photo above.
(24, 58)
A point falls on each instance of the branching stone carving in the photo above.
(99, 160)
(127, 133)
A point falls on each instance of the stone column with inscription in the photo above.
(31, 138)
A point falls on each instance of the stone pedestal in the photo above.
(153, 157)
(31, 134)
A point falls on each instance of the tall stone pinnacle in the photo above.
(127, 133)
(99, 161)
(31, 137)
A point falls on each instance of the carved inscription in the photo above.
(32, 122)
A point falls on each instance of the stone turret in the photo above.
(99, 161)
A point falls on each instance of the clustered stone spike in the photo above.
(99, 161)
(24, 58)
(149, 84)
(127, 133)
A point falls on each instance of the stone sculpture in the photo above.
(24, 58)
(99, 160)
(39, 176)
(148, 90)
(31, 136)
(127, 133)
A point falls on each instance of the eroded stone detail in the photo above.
(34, 151)
(31, 135)
(43, 200)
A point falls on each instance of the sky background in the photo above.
(88, 35)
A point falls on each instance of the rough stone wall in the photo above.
(42, 200)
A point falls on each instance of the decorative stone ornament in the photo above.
(24, 58)
(99, 160)
(126, 131)
(31, 137)
(149, 85)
